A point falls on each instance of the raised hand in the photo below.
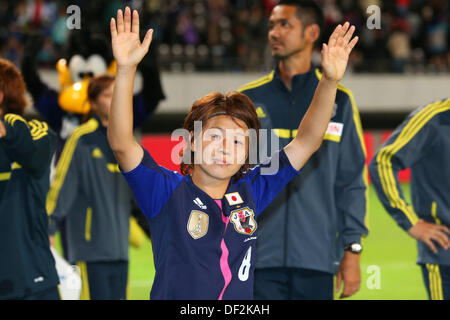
(335, 54)
(127, 47)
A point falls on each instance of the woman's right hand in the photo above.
(127, 48)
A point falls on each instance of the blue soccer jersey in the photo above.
(204, 248)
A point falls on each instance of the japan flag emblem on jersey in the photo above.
(233, 198)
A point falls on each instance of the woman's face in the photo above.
(223, 147)
(102, 104)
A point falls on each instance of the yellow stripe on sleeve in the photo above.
(434, 212)
(359, 131)
(64, 162)
(11, 118)
(38, 129)
(257, 83)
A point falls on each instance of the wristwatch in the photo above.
(354, 247)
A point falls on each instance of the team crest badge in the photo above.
(243, 220)
(198, 223)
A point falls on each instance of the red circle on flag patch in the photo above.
(234, 198)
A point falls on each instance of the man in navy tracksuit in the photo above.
(421, 143)
(321, 212)
(27, 267)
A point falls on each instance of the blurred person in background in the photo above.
(422, 144)
(27, 268)
(312, 231)
(399, 49)
(93, 198)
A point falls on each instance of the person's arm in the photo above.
(151, 184)
(404, 148)
(351, 188)
(351, 184)
(313, 126)
(30, 144)
(128, 51)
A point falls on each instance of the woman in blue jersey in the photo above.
(204, 222)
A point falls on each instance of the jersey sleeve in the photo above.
(407, 145)
(351, 185)
(267, 180)
(30, 144)
(152, 185)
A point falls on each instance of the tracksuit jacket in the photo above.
(27, 266)
(324, 208)
(91, 194)
(421, 143)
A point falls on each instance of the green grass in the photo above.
(388, 247)
(394, 252)
(141, 271)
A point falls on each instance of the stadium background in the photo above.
(219, 45)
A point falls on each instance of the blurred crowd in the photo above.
(231, 35)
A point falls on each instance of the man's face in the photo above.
(285, 32)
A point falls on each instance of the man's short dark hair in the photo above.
(308, 12)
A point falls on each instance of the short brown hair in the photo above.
(98, 84)
(13, 87)
(234, 104)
